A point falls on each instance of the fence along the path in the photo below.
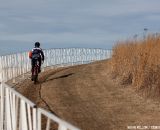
(19, 113)
(16, 111)
(17, 64)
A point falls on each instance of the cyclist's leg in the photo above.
(40, 62)
(33, 65)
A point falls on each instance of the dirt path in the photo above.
(86, 97)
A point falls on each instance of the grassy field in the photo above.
(137, 63)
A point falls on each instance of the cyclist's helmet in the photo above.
(37, 44)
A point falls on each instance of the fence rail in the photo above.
(16, 111)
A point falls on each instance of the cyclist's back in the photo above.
(37, 53)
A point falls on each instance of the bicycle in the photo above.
(35, 72)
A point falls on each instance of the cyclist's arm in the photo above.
(42, 54)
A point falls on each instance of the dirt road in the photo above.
(86, 96)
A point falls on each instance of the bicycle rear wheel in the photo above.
(35, 74)
(35, 79)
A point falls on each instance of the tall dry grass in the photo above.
(137, 62)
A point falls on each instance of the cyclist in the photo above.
(36, 54)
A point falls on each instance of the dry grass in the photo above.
(137, 63)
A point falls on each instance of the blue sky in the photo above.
(74, 23)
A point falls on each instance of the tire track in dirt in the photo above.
(43, 100)
(44, 79)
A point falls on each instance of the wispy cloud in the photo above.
(66, 23)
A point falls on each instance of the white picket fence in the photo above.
(19, 113)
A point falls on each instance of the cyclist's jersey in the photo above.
(37, 53)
